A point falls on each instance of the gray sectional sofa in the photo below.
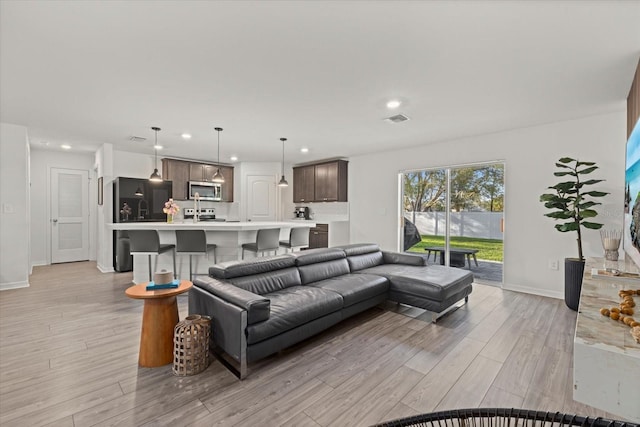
(261, 306)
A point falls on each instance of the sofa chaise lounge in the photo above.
(261, 306)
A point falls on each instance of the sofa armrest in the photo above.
(403, 258)
(258, 307)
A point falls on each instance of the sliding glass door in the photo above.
(455, 216)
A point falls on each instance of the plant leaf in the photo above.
(566, 160)
(595, 193)
(585, 163)
(587, 205)
(559, 215)
(592, 225)
(569, 226)
(564, 173)
(587, 170)
(560, 165)
(592, 181)
(588, 213)
(564, 186)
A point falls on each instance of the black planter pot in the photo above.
(573, 272)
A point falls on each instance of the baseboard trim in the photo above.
(13, 285)
(104, 269)
(534, 291)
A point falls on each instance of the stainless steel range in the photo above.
(203, 214)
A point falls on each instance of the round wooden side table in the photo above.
(159, 317)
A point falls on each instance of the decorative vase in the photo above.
(169, 219)
(573, 272)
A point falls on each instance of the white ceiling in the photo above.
(318, 73)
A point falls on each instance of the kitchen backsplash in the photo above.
(334, 211)
(230, 211)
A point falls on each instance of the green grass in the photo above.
(488, 249)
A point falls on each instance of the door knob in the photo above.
(54, 220)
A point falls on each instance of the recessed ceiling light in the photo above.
(65, 147)
(304, 150)
(234, 158)
(186, 136)
(393, 104)
(158, 147)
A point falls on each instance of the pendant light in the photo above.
(283, 182)
(217, 177)
(138, 192)
(155, 176)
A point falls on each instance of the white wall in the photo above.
(14, 206)
(133, 165)
(529, 155)
(41, 163)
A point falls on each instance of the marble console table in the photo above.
(229, 236)
(606, 358)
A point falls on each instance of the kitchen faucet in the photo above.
(143, 211)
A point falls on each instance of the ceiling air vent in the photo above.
(398, 118)
(137, 139)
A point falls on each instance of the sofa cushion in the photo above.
(231, 269)
(360, 262)
(360, 248)
(257, 306)
(323, 270)
(403, 258)
(265, 283)
(435, 282)
(292, 307)
(355, 288)
(314, 256)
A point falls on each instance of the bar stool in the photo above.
(194, 242)
(298, 238)
(147, 242)
(266, 240)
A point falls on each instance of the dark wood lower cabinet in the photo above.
(319, 236)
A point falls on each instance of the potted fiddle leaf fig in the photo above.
(573, 203)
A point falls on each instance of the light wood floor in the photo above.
(69, 348)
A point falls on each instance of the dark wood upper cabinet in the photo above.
(201, 172)
(227, 185)
(304, 184)
(321, 182)
(180, 172)
(177, 172)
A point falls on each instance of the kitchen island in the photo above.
(229, 236)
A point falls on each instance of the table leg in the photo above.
(159, 317)
(475, 260)
(469, 260)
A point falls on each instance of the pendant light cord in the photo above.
(283, 140)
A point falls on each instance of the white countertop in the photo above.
(606, 358)
(210, 225)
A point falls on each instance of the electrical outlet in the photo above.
(553, 264)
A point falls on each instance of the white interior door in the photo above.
(261, 198)
(69, 215)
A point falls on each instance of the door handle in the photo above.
(54, 220)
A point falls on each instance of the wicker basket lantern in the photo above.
(191, 345)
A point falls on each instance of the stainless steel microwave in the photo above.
(206, 190)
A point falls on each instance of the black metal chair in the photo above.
(147, 242)
(266, 240)
(194, 242)
(502, 417)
